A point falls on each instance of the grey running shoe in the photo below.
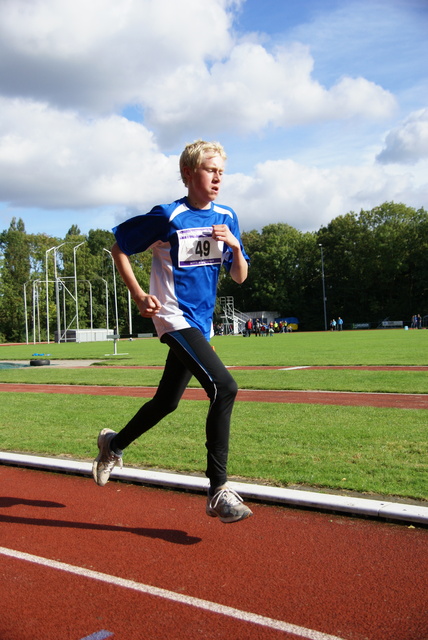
(227, 505)
(106, 460)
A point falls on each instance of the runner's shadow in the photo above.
(11, 502)
(175, 536)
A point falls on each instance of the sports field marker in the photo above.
(293, 368)
(213, 607)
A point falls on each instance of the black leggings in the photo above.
(190, 354)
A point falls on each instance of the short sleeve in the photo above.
(140, 232)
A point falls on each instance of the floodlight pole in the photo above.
(36, 309)
(106, 286)
(58, 310)
(130, 312)
(115, 291)
(323, 287)
(58, 322)
(47, 292)
(26, 311)
(75, 283)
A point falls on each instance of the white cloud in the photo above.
(407, 143)
(102, 54)
(56, 159)
(253, 89)
(51, 158)
(307, 197)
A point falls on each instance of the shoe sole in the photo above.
(244, 516)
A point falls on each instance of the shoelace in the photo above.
(113, 459)
(228, 495)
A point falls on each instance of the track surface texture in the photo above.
(397, 400)
(344, 398)
(132, 563)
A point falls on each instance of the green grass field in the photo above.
(364, 449)
(387, 347)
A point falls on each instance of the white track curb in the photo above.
(323, 501)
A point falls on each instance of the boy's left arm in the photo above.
(239, 268)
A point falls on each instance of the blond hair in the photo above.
(194, 153)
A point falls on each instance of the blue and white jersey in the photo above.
(186, 260)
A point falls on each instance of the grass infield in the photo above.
(364, 449)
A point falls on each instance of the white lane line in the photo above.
(99, 635)
(294, 368)
(213, 607)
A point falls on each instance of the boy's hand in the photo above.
(222, 233)
(148, 305)
(239, 268)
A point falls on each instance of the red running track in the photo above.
(396, 400)
(328, 575)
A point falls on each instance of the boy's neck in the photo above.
(198, 205)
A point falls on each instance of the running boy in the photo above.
(191, 238)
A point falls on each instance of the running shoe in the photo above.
(106, 460)
(227, 505)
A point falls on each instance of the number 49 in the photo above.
(202, 249)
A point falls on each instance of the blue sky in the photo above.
(321, 105)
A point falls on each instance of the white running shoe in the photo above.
(106, 460)
(227, 505)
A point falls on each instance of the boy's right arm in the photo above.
(147, 304)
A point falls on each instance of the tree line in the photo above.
(371, 266)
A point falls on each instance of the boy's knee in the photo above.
(234, 388)
(169, 407)
(229, 389)
(164, 406)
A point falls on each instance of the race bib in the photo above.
(197, 248)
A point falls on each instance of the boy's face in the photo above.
(204, 183)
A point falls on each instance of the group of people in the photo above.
(259, 328)
(416, 321)
(336, 325)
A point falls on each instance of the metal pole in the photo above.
(64, 290)
(75, 283)
(90, 304)
(115, 292)
(36, 306)
(130, 312)
(106, 286)
(47, 292)
(25, 311)
(58, 320)
(323, 287)
(54, 249)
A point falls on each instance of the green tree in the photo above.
(73, 231)
(282, 266)
(376, 263)
(15, 272)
